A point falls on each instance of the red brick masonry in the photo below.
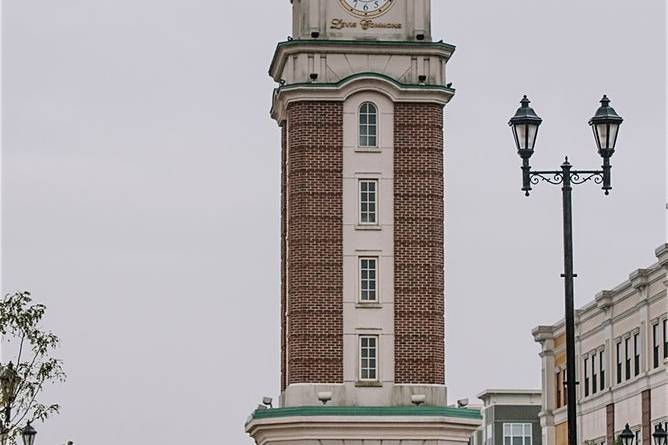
(314, 243)
(418, 244)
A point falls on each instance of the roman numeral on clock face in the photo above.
(367, 8)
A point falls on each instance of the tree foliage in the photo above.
(31, 362)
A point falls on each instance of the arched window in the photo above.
(368, 128)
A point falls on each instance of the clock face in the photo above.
(367, 8)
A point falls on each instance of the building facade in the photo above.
(509, 417)
(360, 98)
(622, 352)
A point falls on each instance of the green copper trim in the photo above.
(368, 411)
(321, 85)
(318, 42)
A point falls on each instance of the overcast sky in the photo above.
(141, 194)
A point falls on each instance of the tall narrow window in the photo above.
(636, 353)
(564, 386)
(368, 279)
(619, 362)
(559, 386)
(586, 371)
(655, 345)
(601, 367)
(627, 357)
(368, 125)
(665, 339)
(368, 358)
(594, 376)
(369, 201)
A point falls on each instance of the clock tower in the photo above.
(361, 87)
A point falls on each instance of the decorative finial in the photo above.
(525, 102)
(605, 101)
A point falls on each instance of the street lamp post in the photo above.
(660, 435)
(627, 437)
(605, 125)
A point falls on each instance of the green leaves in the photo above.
(32, 363)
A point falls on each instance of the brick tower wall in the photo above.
(314, 244)
(284, 239)
(418, 243)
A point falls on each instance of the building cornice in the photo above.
(343, 424)
(339, 91)
(368, 411)
(370, 47)
(640, 278)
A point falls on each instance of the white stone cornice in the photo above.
(294, 47)
(298, 430)
(662, 255)
(543, 333)
(639, 278)
(340, 91)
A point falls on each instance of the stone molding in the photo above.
(339, 92)
(292, 47)
(434, 426)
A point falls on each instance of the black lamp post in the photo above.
(660, 435)
(525, 126)
(627, 437)
(28, 433)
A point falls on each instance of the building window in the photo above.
(594, 376)
(627, 357)
(636, 353)
(619, 362)
(517, 434)
(655, 344)
(368, 125)
(368, 280)
(368, 358)
(601, 367)
(559, 386)
(564, 384)
(586, 371)
(665, 338)
(369, 201)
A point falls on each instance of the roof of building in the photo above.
(604, 298)
(489, 392)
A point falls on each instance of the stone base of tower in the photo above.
(359, 394)
(327, 425)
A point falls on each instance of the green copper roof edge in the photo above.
(326, 42)
(368, 411)
(365, 74)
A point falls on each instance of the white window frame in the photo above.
(594, 374)
(375, 280)
(368, 126)
(637, 354)
(361, 202)
(376, 339)
(603, 375)
(509, 427)
(619, 362)
(656, 344)
(586, 375)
